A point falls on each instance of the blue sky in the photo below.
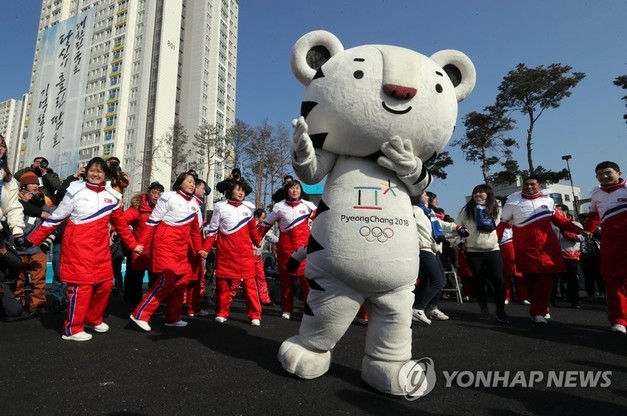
(588, 35)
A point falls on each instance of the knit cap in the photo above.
(29, 178)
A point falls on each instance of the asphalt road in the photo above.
(231, 369)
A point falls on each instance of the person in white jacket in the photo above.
(431, 234)
(10, 206)
(481, 215)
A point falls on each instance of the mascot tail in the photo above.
(296, 259)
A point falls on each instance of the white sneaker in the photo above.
(178, 324)
(526, 302)
(506, 302)
(255, 322)
(436, 315)
(538, 319)
(101, 327)
(419, 316)
(618, 328)
(202, 312)
(79, 336)
(141, 324)
(547, 316)
(220, 319)
(285, 315)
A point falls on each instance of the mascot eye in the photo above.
(358, 74)
(438, 88)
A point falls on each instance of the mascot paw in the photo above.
(302, 362)
(398, 156)
(411, 379)
(303, 147)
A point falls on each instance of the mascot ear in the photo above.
(311, 51)
(459, 69)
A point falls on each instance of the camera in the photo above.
(44, 163)
(48, 242)
(114, 164)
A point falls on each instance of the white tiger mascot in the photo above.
(371, 117)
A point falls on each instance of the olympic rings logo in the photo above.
(376, 234)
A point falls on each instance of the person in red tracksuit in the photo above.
(195, 290)
(235, 229)
(293, 215)
(136, 216)
(171, 229)
(538, 252)
(89, 207)
(609, 209)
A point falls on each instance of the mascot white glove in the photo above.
(398, 156)
(303, 147)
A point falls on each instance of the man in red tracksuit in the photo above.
(538, 252)
(609, 207)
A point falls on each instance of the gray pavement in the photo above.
(231, 369)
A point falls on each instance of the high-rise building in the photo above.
(110, 77)
(12, 117)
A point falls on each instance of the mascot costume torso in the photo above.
(370, 118)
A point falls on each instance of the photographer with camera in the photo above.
(47, 177)
(33, 259)
(119, 179)
(236, 175)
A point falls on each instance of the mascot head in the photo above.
(358, 98)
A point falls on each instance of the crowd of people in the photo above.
(521, 248)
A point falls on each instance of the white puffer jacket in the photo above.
(10, 207)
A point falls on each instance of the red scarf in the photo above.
(188, 197)
(613, 187)
(96, 187)
(534, 196)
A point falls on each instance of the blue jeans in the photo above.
(432, 280)
(58, 290)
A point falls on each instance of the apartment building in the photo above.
(12, 117)
(110, 77)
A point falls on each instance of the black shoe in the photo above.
(501, 317)
(57, 307)
(484, 315)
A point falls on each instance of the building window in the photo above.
(567, 198)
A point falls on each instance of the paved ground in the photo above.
(231, 369)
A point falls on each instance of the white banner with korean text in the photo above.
(59, 93)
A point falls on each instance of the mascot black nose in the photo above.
(399, 92)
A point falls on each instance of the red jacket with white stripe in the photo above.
(85, 252)
(609, 208)
(293, 218)
(171, 230)
(537, 248)
(235, 229)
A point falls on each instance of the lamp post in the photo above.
(572, 187)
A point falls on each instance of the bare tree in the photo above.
(257, 152)
(210, 145)
(239, 135)
(176, 138)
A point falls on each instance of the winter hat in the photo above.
(29, 178)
